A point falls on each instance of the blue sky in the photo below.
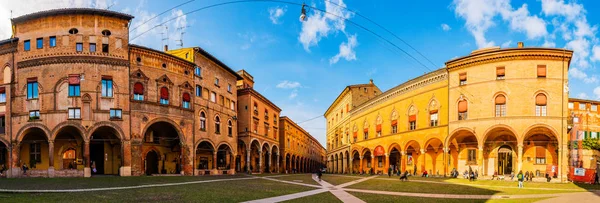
(303, 66)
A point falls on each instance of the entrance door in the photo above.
(151, 163)
(97, 157)
(504, 160)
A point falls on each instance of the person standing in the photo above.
(520, 179)
(319, 174)
(389, 172)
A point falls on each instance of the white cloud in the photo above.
(597, 92)
(506, 44)
(288, 85)
(578, 74)
(446, 27)
(346, 50)
(582, 95)
(294, 94)
(479, 16)
(276, 13)
(549, 44)
(596, 53)
(558, 7)
(319, 25)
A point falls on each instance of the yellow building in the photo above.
(494, 111)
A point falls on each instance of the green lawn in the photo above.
(340, 179)
(226, 191)
(390, 198)
(299, 178)
(100, 182)
(325, 197)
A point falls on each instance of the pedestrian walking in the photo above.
(520, 179)
(389, 172)
(319, 174)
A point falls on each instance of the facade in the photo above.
(494, 111)
(301, 151)
(586, 125)
(76, 100)
(258, 143)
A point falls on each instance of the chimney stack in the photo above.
(166, 48)
(520, 44)
(371, 81)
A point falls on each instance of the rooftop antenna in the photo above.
(165, 36)
(109, 6)
(180, 40)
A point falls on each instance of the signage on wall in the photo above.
(410, 159)
(579, 171)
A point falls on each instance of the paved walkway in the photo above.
(496, 186)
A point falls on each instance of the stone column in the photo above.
(269, 155)
(215, 161)
(360, 169)
(51, 158)
(126, 157)
(277, 160)
(480, 160)
(232, 161)
(445, 160)
(248, 161)
(387, 163)
(260, 161)
(402, 167)
(351, 171)
(422, 162)
(563, 162)
(373, 163)
(519, 158)
(87, 172)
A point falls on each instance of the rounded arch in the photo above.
(166, 120)
(394, 146)
(378, 120)
(30, 126)
(495, 128)
(223, 143)
(209, 141)
(458, 132)
(412, 143)
(435, 143)
(100, 124)
(355, 152)
(540, 128)
(255, 142)
(412, 110)
(433, 104)
(275, 149)
(394, 114)
(365, 150)
(81, 130)
(267, 146)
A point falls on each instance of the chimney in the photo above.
(371, 81)
(520, 44)
(166, 48)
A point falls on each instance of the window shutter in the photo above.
(138, 88)
(394, 122)
(378, 127)
(540, 100)
(186, 97)
(366, 130)
(32, 79)
(355, 135)
(2, 90)
(540, 152)
(500, 71)
(500, 99)
(107, 77)
(412, 118)
(462, 106)
(164, 93)
(541, 70)
(462, 76)
(74, 79)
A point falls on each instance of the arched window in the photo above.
(378, 121)
(164, 96)
(186, 100)
(540, 104)
(202, 121)
(394, 123)
(366, 130)
(500, 102)
(412, 118)
(229, 128)
(462, 110)
(217, 125)
(198, 91)
(106, 33)
(73, 31)
(433, 113)
(138, 92)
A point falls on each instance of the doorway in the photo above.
(97, 157)
(505, 160)
(151, 163)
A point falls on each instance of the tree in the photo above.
(591, 143)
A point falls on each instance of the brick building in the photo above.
(76, 99)
(301, 151)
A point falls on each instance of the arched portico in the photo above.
(462, 149)
(500, 154)
(541, 146)
(166, 140)
(105, 151)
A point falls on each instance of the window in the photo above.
(186, 100)
(79, 47)
(52, 41)
(267, 129)
(74, 88)
(378, 130)
(581, 106)
(92, 47)
(463, 78)
(500, 106)
(366, 134)
(202, 121)
(39, 43)
(26, 45)
(412, 122)
(229, 129)
(34, 115)
(73, 31)
(32, 88)
(213, 97)
(570, 105)
(198, 71)
(394, 126)
(106, 33)
(164, 96)
(499, 73)
(115, 113)
(198, 91)
(540, 155)
(380, 161)
(433, 118)
(540, 105)
(541, 71)
(594, 107)
(104, 48)
(472, 159)
(229, 87)
(74, 113)
(2, 95)
(35, 154)
(462, 110)
(232, 105)
(217, 81)
(107, 86)
(217, 125)
(2, 130)
(138, 92)
(221, 100)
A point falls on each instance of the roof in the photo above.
(583, 100)
(493, 51)
(301, 129)
(342, 93)
(163, 53)
(70, 11)
(178, 52)
(10, 40)
(257, 94)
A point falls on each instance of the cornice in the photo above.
(253, 92)
(72, 59)
(510, 54)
